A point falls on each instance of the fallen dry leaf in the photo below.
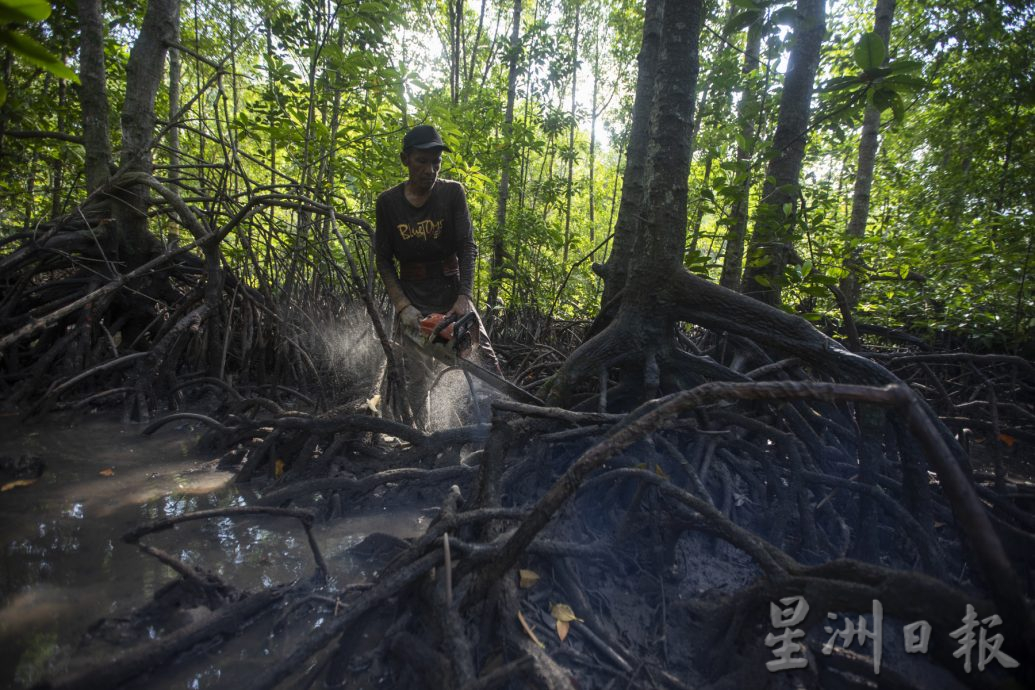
(278, 469)
(373, 402)
(563, 612)
(527, 578)
(107, 472)
(562, 629)
(1007, 439)
(528, 631)
(16, 483)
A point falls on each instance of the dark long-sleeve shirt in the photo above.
(433, 232)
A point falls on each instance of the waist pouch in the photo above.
(417, 270)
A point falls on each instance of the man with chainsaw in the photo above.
(424, 224)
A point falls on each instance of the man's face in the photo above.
(423, 165)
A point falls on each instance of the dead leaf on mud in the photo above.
(563, 612)
(528, 630)
(278, 469)
(107, 472)
(17, 483)
(527, 578)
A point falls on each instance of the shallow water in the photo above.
(64, 564)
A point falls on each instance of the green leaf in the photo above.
(902, 82)
(34, 53)
(903, 271)
(763, 281)
(788, 208)
(898, 108)
(3, 93)
(759, 262)
(806, 267)
(23, 10)
(741, 21)
(884, 98)
(840, 83)
(870, 51)
(746, 5)
(903, 66)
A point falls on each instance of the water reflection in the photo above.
(65, 565)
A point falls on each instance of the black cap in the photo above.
(424, 137)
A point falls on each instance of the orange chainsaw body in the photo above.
(430, 322)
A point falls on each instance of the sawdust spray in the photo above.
(450, 402)
(349, 351)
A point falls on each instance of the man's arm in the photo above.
(466, 252)
(384, 259)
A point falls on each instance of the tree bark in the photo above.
(57, 165)
(498, 245)
(571, 139)
(660, 242)
(776, 215)
(655, 242)
(868, 145)
(456, 15)
(144, 73)
(631, 206)
(173, 137)
(93, 95)
(733, 257)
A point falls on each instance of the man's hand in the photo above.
(461, 307)
(410, 318)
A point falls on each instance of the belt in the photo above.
(418, 270)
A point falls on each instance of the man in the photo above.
(425, 225)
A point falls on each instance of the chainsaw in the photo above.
(455, 332)
(448, 339)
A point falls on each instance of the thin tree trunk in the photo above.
(4, 113)
(594, 116)
(498, 246)
(93, 95)
(456, 13)
(776, 216)
(868, 145)
(733, 257)
(695, 235)
(57, 165)
(173, 137)
(474, 46)
(571, 138)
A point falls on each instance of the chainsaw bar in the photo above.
(449, 358)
